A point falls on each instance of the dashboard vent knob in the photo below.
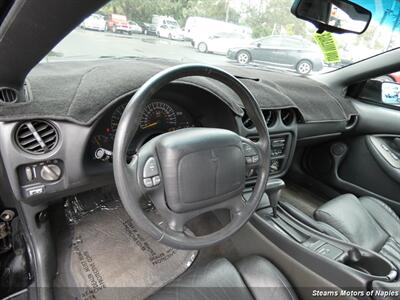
(8, 95)
(37, 137)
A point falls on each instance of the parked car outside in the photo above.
(221, 42)
(170, 32)
(196, 27)
(134, 27)
(94, 22)
(149, 29)
(117, 23)
(290, 52)
(164, 20)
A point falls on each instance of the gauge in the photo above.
(287, 116)
(270, 117)
(159, 115)
(116, 116)
(101, 140)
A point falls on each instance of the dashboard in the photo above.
(71, 163)
(159, 116)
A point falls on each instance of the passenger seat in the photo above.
(365, 221)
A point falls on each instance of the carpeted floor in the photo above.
(105, 256)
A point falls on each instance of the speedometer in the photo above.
(159, 115)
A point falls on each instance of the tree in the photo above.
(273, 17)
(269, 17)
(143, 10)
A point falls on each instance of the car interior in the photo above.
(155, 179)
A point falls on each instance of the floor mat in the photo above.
(105, 256)
(301, 198)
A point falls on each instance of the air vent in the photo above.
(247, 122)
(36, 137)
(8, 95)
(288, 116)
(270, 117)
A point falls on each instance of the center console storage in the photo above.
(372, 264)
(359, 260)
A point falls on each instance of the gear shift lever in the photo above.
(273, 190)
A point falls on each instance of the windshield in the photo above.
(255, 33)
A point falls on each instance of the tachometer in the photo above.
(116, 116)
(159, 115)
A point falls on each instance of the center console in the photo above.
(347, 265)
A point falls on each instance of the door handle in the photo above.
(382, 148)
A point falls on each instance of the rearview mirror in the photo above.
(391, 93)
(337, 16)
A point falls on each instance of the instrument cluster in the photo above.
(158, 117)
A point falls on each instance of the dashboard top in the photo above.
(79, 92)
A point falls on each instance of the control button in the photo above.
(249, 160)
(384, 147)
(275, 166)
(50, 172)
(103, 154)
(156, 180)
(255, 159)
(148, 182)
(28, 173)
(150, 168)
(35, 191)
(329, 251)
(248, 150)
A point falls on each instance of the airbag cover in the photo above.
(200, 167)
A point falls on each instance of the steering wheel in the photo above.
(192, 171)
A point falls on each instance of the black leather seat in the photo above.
(251, 278)
(365, 221)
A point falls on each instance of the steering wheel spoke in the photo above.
(237, 204)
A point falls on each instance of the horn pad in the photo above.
(200, 167)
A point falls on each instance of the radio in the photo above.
(278, 146)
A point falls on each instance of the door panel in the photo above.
(365, 162)
(362, 167)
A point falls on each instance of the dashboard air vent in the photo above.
(8, 95)
(270, 117)
(37, 137)
(288, 116)
(247, 122)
